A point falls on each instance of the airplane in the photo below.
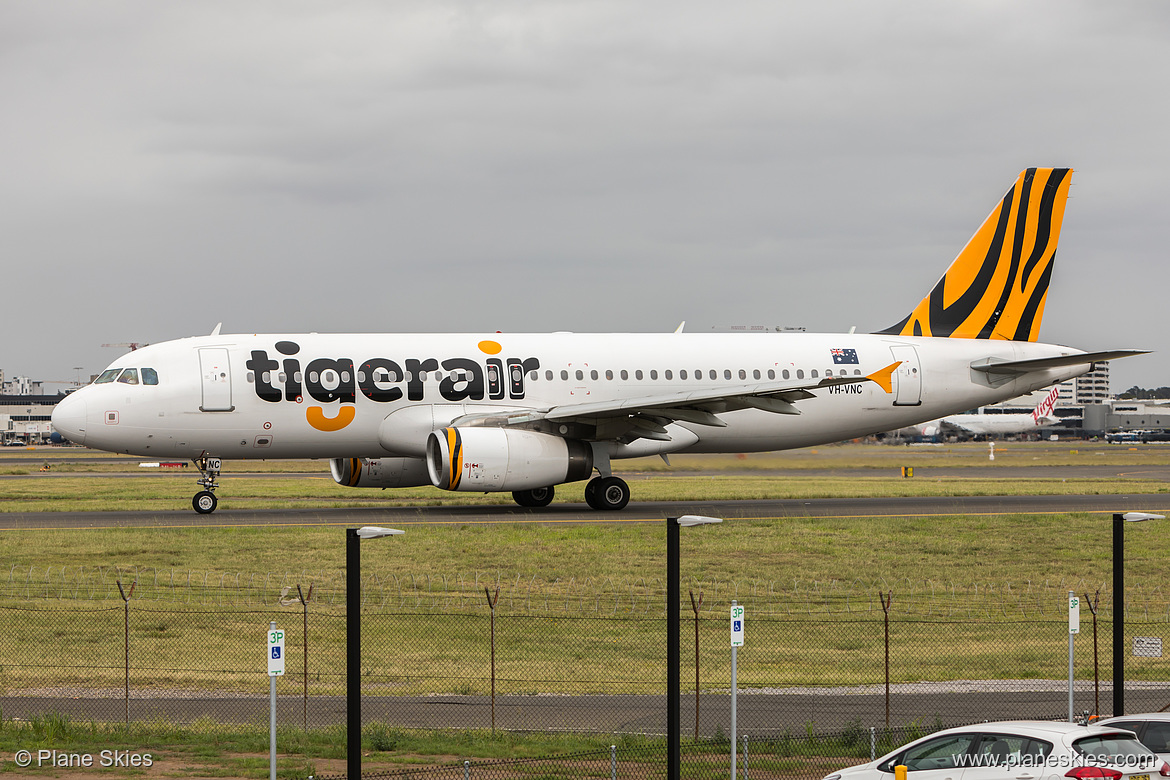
(982, 424)
(524, 413)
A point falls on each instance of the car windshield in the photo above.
(1118, 749)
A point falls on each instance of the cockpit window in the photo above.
(149, 376)
(109, 375)
(129, 376)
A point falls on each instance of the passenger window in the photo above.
(714, 374)
(800, 373)
(667, 374)
(814, 373)
(609, 373)
(1157, 736)
(580, 374)
(742, 374)
(682, 374)
(1005, 749)
(564, 375)
(638, 374)
(828, 372)
(786, 374)
(593, 374)
(727, 373)
(109, 375)
(548, 374)
(625, 375)
(654, 374)
(149, 376)
(771, 373)
(941, 753)
(756, 374)
(129, 376)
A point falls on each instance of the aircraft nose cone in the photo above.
(69, 418)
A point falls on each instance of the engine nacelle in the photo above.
(494, 459)
(379, 472)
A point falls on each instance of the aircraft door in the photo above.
(217, 380)
(907, 377)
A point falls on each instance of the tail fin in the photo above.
(1045, 408)
(996, 287)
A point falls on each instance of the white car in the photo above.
(1152, 729)
(1018, 750)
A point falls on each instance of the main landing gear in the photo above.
(607, 493)
(205, 501)
(601, 493)
(537, 497)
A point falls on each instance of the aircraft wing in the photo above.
(647, 416)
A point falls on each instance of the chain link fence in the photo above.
(145, 644)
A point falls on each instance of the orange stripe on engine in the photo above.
(455, 448)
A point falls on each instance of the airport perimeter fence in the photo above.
(587, 657)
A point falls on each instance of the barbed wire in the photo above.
(522, 593)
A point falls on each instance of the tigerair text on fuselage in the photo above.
(382, 380)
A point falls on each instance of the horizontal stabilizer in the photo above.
(991, 366)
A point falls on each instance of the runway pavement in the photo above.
(759, 714)
(925, 506)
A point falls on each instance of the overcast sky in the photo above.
(587, 166)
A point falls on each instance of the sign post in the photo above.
(1074, 628)
(737, 619)
(275, 669)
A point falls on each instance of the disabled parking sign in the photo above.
(275, 652)
(737, 626)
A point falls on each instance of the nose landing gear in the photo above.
(205, 501)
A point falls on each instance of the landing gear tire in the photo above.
(607, 493)
(537, 497)
(204, 502)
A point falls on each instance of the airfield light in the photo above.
(353, 641)
(674, 626)
(1119, 521)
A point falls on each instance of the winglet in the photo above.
(884, 377)
(680, 327)
(215, 330)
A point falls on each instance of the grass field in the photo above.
(1003, 567)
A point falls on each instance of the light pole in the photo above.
(353, 642)
(1119, 522)
(674, 627)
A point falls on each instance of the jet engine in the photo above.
(379, 472)
(495, 459)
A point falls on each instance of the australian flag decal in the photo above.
(844, 356)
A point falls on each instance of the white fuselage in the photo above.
(373, 396)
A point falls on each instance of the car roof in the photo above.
(1162, 716)
(1050, 727)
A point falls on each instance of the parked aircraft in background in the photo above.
(984, 424)
(526, 412)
